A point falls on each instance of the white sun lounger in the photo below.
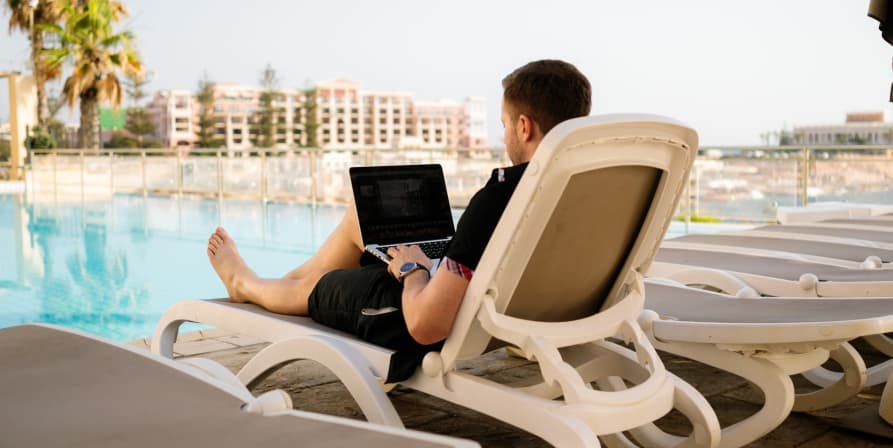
(590, 210)
(830, 210)
(772, 274)
(62, 388)
(744, 264)
(794, 335)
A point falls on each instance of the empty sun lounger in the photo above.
(850, 250)
(779, 274)
(766, 340)
(66, 389)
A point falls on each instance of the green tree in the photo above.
(4, 150)
(28, 17)
(88, 40)
(39, 138)
(54, 126)
(139, 122)
(121, 139)
(311, 122)
(785, 138)
(263, 122)
(205, 98)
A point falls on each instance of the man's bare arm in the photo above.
(429, 304)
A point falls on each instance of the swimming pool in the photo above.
(111, 267)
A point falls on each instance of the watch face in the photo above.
(408, 266)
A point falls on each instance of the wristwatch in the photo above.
(410, 267)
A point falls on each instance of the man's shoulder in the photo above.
(492, 197)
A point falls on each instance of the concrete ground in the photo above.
(315, 389)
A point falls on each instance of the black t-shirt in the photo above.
(481, 216)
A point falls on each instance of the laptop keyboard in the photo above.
(432, 249)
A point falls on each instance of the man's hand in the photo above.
(401, 255)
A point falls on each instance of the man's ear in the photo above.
(525, 128)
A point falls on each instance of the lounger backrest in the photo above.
(583, 224)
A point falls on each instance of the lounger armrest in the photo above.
(715, 278)
(561, 334)
(541, 340)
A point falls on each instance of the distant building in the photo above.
(173, 112)
(860, 128)
(347, 118)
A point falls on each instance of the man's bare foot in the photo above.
(229, 265)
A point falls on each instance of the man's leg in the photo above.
(287, 295)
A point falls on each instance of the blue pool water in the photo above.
(112, 267)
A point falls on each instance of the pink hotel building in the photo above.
(348, 118)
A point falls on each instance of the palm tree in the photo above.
(26, 16)
(88, 40)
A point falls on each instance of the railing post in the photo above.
(179, 175)
(111, 173)
(219, 177)
(313, 183)
(82, 175)
(55, 174)
(804, 177)
(688, 201)
(143, 168)
(263, 175)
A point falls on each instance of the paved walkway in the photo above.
(315, 389)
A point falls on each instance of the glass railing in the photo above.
(308, 175)
(740, 184)
(750, 183)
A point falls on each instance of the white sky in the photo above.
(731, 69)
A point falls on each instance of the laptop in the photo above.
(405, 204)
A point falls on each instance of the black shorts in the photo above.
(366, 302)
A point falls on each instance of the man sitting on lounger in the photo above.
(409, 311)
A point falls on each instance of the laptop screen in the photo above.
(399, 204)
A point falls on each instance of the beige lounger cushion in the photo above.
(838, 232)
(769, 267)
(817, 248)
(63, 389)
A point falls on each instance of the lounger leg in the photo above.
(849, 383)
(541, 417)
(885, 409)
(351, 369)
(882, 343)
(686, 399)
(164, 337)
(876, 374)
(778, 390)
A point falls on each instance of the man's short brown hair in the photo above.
(548, 91)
